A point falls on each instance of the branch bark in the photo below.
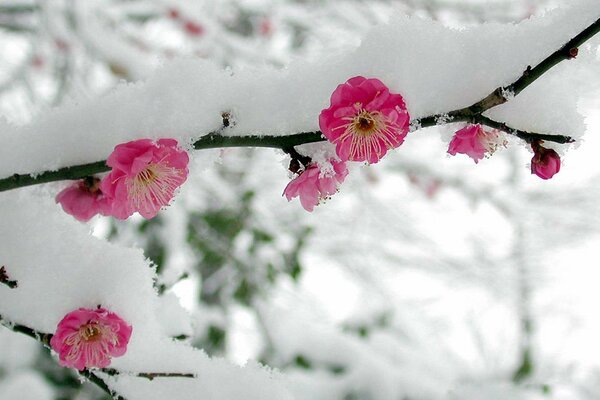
(472, 113)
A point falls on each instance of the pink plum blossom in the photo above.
(545, 162)
(83, 199)
(313, 184)
(144, 176)
(365, 120)
(88, 338)
(476, 142)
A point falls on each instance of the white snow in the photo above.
(60, 268)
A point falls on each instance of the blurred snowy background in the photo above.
(424, 278)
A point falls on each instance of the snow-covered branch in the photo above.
(472, 113)
(45, 338)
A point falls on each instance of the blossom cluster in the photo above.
(144, 177)
(364, 121)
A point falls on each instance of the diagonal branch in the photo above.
(503, 94)
(468, 114)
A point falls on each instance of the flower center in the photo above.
(366, 123)
(154, 185)
(90, 332)
(492, 141)
(368, 132)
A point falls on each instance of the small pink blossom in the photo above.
(364, 120)
(545, 162)
(193, 28)
(88, 338)
(83, 199)
(476, 142)
(314, 185)
(266, 27)
(144, 176)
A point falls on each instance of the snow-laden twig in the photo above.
(91, 375)
(472, 113)
(500, 95)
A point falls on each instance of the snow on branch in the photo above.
(473, 113)
(446, 68)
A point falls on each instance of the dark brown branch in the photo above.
(148, 375)
(503, 94)
(467, 114)
(529, 137)
(74, 172)
(297, 159)
(6, 280)
(210, 141)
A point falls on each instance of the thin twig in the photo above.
(467, 114)
(529, 137)
(6, 280)
(148, 375)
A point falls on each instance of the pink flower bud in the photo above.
(173, 13)
(545, 162)
(193, 28)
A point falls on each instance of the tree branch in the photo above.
(74, 172)
(503, 94)
(472, 113)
